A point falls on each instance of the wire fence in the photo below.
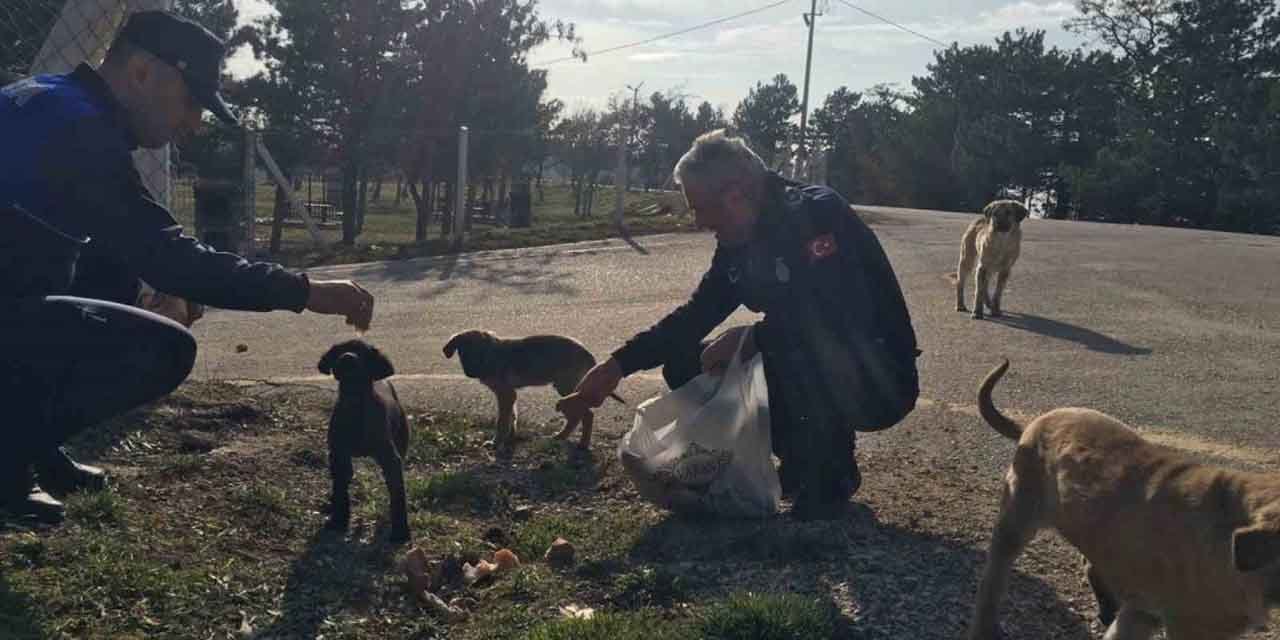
(258, 192)
(407, 193)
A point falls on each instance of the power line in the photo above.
(664, 36)
(892, 23)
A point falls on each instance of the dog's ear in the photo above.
(327, 360)
(451, 346)
(378, 365)
(1255, 547)
(989, 210)
(485, 349)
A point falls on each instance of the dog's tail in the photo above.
(1004, 425)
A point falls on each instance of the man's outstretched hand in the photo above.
(599, 382)
(342, 298)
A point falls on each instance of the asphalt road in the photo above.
(1173, 331)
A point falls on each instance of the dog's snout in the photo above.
(347, 364)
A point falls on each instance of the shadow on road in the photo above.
(631, 242)
(535, 274)
(901, 583)
(1089, 338)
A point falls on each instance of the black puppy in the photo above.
(366, 421)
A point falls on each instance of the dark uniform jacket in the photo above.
(836, 335)
(66, 158)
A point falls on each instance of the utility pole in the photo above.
(809, 19)
(635, 121)
(635, 103)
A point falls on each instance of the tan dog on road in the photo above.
(506, 364)
(992, 243)
(1169, 541)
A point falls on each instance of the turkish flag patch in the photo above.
(822, 246)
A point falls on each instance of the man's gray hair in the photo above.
(717, 159)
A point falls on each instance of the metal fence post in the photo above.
(155, 165)
(620, 184)
(460, 192)
(249, 187)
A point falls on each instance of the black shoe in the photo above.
(58, 473)
(789, 480)
(21, 498)
(815, 505)
(828, 499)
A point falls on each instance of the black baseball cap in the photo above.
(192, 49)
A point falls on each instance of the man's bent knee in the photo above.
(175, 357)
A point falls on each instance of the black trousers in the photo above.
(67, 364)
(816, 455)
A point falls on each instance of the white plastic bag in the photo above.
(705, 447)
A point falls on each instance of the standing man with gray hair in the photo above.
(839, 350)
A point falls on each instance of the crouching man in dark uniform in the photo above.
(68, 362)
(839, 350)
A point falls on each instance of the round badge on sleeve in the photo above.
(822, 246)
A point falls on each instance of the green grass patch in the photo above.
(264, 507)
(649, 587)
(182, 465)
(596, 538)
(310, 458)
(613, 626)
(438, 437)
(95, 508)
(29, 550)
(112, 584)
(530, 582)
(748, 616)
(532, 539)
(557, 477)
(454, 490)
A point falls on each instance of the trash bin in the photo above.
(521, 205)
(219, 220)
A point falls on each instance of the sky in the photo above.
(722, 62)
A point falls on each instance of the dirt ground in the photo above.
(214, 530)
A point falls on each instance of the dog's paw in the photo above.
(961, 308)
(977, 316)
(504, 450)
(996, 633)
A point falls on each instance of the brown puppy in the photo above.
(367, 421)
(1169, 542)
(507, 364)
(992, 242)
